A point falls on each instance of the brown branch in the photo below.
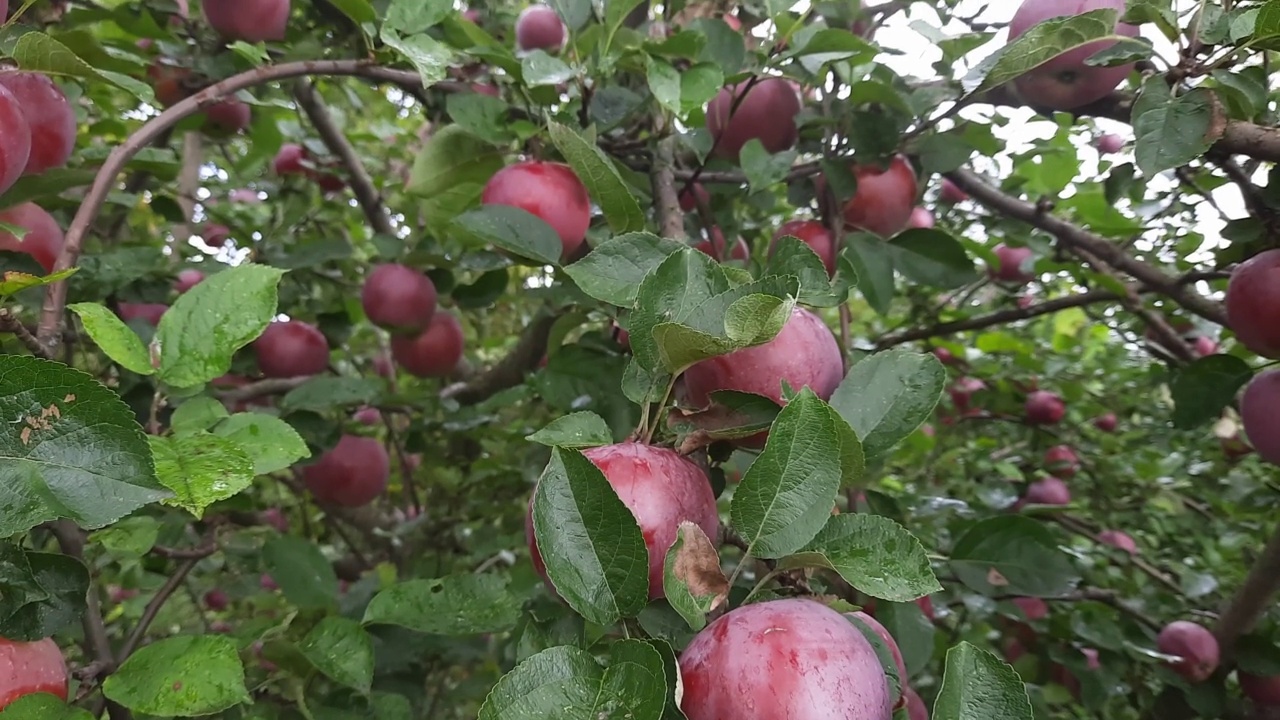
(510, 370)
(665, 197)
(11, 324)
(997, 318)
(196, 553)
(153, 608)
(1252, 599)
(272, 386)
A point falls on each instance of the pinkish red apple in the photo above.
(434, 353)
(1257, 412)
(1196, 648)
(1253, 303)
(27, 668)
(550, 191)
(291, 348)
(1044, 408)
(399, 299)
(765, 112)
(1066, 81)
(811, 233)
(352, 474)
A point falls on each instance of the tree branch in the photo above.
(510, 370)
(666, 200)
(11, 324)
(1251, 600)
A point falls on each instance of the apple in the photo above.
(661, 489)
(27, 668)
(434, 353)
(1203, 346)
(885, 197)
(1118, 540)
(789, 658)
(539, 27)
(1106, 422)
(268, 583)
(1109, 143)
(1253, 303)
(920, 218)
(1013, 265)
(328, 182)
(945, 356)
(291, 349)
(551, 191)
(275, 518)
(188, 279)
(1048, 491)
(171, 83)
(43, 241)
(15, 140)
(892, 644)
(916, 709)
(1066, 82)
(689, 199)
(1261, 398)
(1062, 461)
(367, 416)
(716, 246)
(1196, 648)
(399, 299)
(1033, 608)
(291, 159)
(150, 313)
(1262, 690)
(244, 196)
(50, 119)
(951, 193)
(215, 234)
(384, 366)
(811, 233)
(1044, 408)
(766, 112)
(351, 474)
(216, 600)
(963, 389)
(248, 20)
(227, 117)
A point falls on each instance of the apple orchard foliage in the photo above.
(399, 375)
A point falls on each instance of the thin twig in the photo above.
(11, 324)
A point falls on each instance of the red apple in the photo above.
(227, 117)
(945, 356)
(1261, 398)
(291, 159)
(248, 20)
(766, 112)
(244, 196)
(811, 233)
(1196, 647)
(551, 191)
(916, 709)
(291, 349)
(215, 234)
(1048, 491)
(1106, 422)
(367, 416)
(1203, 346)
(1044, 408)
(689, 199)
(1109, 143)
(149, 313)
(43, 241)
(216, 600)
(951, 193)
(27, 668)
(1033, 608)
(383, 366)
(434, 353)
(884, 200)
(399, 299)
(1066, 82)
(188, 279)
(661, 489)
(15, 140)
(171, 83)
(718, 248)
(268, 583)
(50, 118)
(920, 218)
(1118, 540)
(1013, 265)
(539, 28)
(963, 389)
(790, 658)
(328, 182)
(1263, 690)
(275, 518)
(350, 475)
(892, 644)
(1062, 461)
(1253, 303)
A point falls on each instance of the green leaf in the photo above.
(342, 650)
(1173, 131)
(699, 84)
(201, 469)
(483, 116)
(513, 229)
(932, 257)
(207, 324)
(853, 459)
(325, 392)
(871, 260)
(832, 44)
(114, 337)
(888, 395)
(49, 594)
(1039, 45)
(40, 53)
(69, 448)
(791, 256)
(872, 553)
(613, 271)
(198, 413)
(577, 430)
(603, 181)
(301, 570)
(429, 56)
(271, 443)
(732, 414)
(465, 604)
(567, 683)
(763, 169)
(359, 11)
(453, 157)
(685, 279)
(1012, 555)
(912, 630)
(42, 706)
(1203, 389)
(12, 282)
(183, 676)
(539, 68)
(130, 538)
(692, 580)
(664, 83)
(591, 544)
(977, 685)
(413, 17)
(787, 494)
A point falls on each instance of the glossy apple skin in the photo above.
(1118, 540)
(248, 20)
(352, 474)
(291, 349)
(434, 353)
(1197, 647)
(27, 668)
(767, 112)
(399, 299)
(883, 632)
(539, 27)
(689, 199)
(1109, 143)
(1048, 491)
(1107, 422)
(1253, 303)
(1066, 82)
(792, 659)
(1009, 264)
(149, 313)
(50, 118)
(811, 233)
(1263, 690)
(1062, 461)
(1044, 408)
(951, 193)
(1033, 608)
(660, 488)
(548, 190)
(15, 140)
(187, 279)
(885, 198)
(921, 218)
(290, 159)
(916, 709)
(43, 241)
(1258, 413)
(216, 600)
(740, 251)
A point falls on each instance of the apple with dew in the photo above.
(216, 600)
(1118, 540)
(1106, 422)
(790, 658)
(1044, 408)
(291, 348)
(290, 159)
(916, 709)
(1048, 491)
(1109, 143)
(550, 191)
(538, 27)
(920, 218)
(1062, 461)
(248, 20)
(1196, 648)
(150, 313)
(1012, 265)
(883, 633)
(766, 111)
(50, 119)
(1264, 690)
(1253, 303)
(1067, 82)
(351, 474)
(228, 117)
(15, 140)
(399, 299)
(188, 279)
(434, 353)
(811, 233)
(884, 200)
(1033, 608)
(951, 193)
(27, 668)
(1261, 398)
(689, 199)
(661, 489)
(717, 246)
(43, 240)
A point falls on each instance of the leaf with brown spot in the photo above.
(995, 578)
(694, 583)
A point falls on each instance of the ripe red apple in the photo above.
(383, 366)
(15, 140)
(227, 117)
(1203, 346)
(215, 234)
(328, 182)
(1033, 608)
(1118, 540)
(1109, 143)
(689, 199)
(811, 233)
(1013, 265)
(351, 474)
(1062, 461)
(963, 389)
(149, 313)
(1261, 398)
(291, 349)
(916, 709)
(216, 600)
(188, 279)
(290, 160)
(1106, 422)
(1044, 408)
(1196, 646)
(43, 241)
(50, 118)
(766, 112)
(367, 416)
(718, 248)
(920, 218)
(399, 299)
(548, 190)
(434, 353)
(539, 27)
(248, 20)
(170, 82)
(1262, 690)
(27, 668)
(790, 658)
(884, 200)
(1253, 303)
(892, 644)
(1048, 491)
(1066, 82)
(951, 193)
(244, 196)
(661, 489)
(945, 356)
